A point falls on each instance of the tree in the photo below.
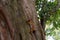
(18, 21)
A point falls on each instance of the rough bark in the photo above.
(20, 20)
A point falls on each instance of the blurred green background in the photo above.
(49, 10)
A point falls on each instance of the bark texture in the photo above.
(18, 21)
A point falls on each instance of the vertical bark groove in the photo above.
(5, 25)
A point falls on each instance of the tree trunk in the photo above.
(18, 21)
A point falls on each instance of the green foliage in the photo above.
(51, 12)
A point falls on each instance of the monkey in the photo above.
(32, 29)
(31, 24)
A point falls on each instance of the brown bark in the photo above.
(5, 25)
(20, 20)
